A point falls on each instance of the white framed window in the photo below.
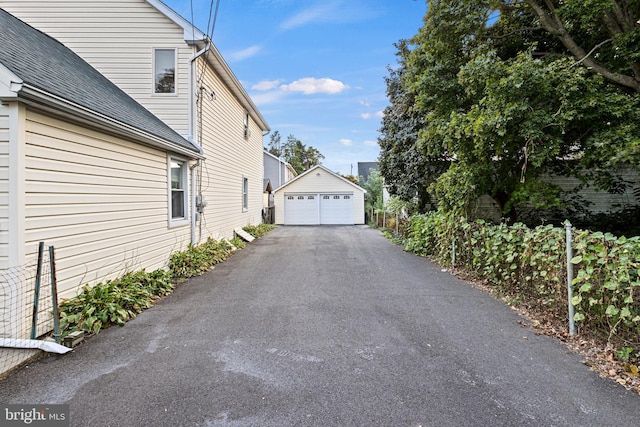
(164, 71)
(245, 194)
(178, 191)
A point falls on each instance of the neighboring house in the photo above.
(319, 196)
(364, 169)
(172, 68)
(277, 172)
(84, 168)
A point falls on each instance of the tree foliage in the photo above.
(294, 152)
(503, 93)
(374, 186)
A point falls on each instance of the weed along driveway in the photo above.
(324, 326)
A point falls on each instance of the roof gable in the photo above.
(309, 172)
(49, 69)
(192, 35)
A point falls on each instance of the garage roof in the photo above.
(302, 175)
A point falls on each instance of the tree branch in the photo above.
(591, 51)
(552, 23)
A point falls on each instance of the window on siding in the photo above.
(178, 173)
(247, 132)
(336, 197)
(289, 197)
(347, 197)
(300, 197)
(311, 198)
(164, 69)
(245, 194)
(325, 197)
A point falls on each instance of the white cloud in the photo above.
(380, 114)
(346, 142)
(365, 116)
(243, 54)
(266, 98)
(365, 103)
(336, 11)
(370, 143)
(266, 85)
(319, 13)
(311, 85)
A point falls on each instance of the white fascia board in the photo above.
(220, 66)
(10, 84)
(191, 33)
(62, 107)
(324, 169)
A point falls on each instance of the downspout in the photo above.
(194, 134)
(194, 212)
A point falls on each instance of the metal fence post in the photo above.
(54, 295)
(36, 293)
(572, 324)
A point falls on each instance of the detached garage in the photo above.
(319, 197)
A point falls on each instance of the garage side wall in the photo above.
(317, 182)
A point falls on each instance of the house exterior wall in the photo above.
(118, 38)
(274, 170)
(101, 201)
(230, 157)
(316, 182)
(4, 185)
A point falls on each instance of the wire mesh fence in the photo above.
(20, 316)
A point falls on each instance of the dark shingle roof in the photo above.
(46, 64)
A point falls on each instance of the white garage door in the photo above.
(336, 209)
(301, 209)
(313, 209)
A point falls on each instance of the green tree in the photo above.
(505, 98)
(408, 170)
(299, 156)
(374, 186)
(275, 147)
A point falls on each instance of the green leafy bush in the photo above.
(258, 230)
(529, 266)
(197, 260)
(607, 283)
(114, 301)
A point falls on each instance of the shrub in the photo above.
(114, 301)
(258, 230)
(197, 260)
(529, 265)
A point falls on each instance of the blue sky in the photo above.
(314, 68)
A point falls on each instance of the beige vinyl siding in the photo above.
(101, 201)
(320, 181)
(230, 157)
(117, 38)
(4, 186)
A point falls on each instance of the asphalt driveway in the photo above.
(324, 326)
